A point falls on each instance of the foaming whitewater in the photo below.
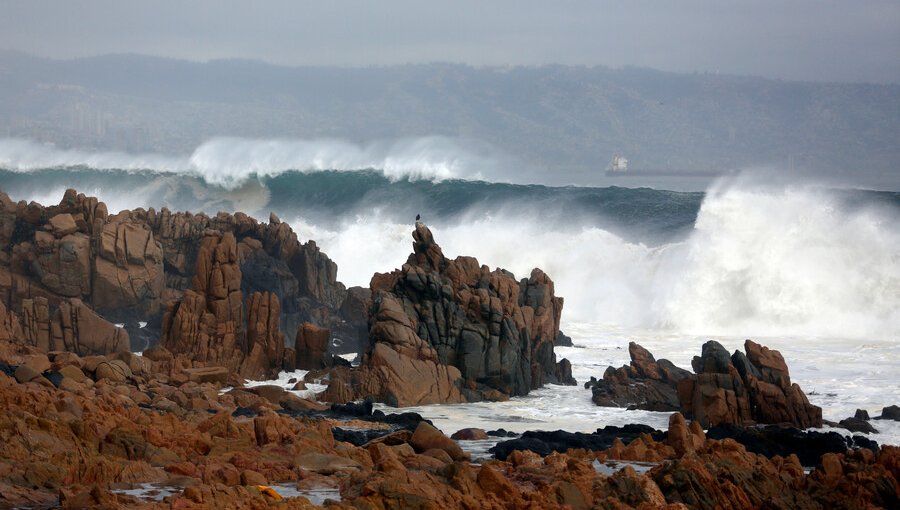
(812, 272)
(790, 261)
(759, 262)
(231, 162)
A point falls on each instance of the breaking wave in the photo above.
(740, 259)
(232, 162)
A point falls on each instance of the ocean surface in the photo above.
(805, 268)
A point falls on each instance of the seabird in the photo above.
(418, 217)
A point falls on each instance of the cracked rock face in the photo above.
(233, 285)
(445, 330)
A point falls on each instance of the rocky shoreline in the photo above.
(210, 302)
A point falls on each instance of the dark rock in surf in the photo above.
(543, 443)
(890, 413)
(644, 384)
(771, 440)
(857, 425)
(562, 340)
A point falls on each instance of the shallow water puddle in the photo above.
(158, 492)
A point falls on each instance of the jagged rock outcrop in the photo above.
(451, 330)
(132, 266)
(644, 384)
(741, 389)
(270, 257)
(738, 388)
(208, 323)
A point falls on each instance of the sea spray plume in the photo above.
(759, 261)
(787, 260)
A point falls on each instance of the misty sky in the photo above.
(826, 40)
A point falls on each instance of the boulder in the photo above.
(113, 370)
(857, 425)
(207, 375)
(396, 379)
(427, 437)
(25, 373)
(469, 434)
(63, 225)
(890, 413)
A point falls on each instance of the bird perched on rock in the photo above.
(418, 217)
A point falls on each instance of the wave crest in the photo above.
(231, 162)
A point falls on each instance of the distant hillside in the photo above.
(551, 117)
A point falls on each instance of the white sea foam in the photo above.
(759, 262)
(865, 378)
(232, 162)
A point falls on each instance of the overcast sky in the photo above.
(825, 40)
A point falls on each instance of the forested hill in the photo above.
(553, 117)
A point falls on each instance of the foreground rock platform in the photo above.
(73, 433)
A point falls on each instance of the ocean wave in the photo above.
(231, 162)
(741, 259)
(759, 262)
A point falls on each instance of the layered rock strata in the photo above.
(445, 331)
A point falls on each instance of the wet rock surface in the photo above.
(772, 440)
(543, 443)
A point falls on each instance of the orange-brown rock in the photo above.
(130, 266)
(129, 270)
(644, 384)
(742, 389)
(208, 323)
(427, 437)
(311, 346)
(74, 327)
